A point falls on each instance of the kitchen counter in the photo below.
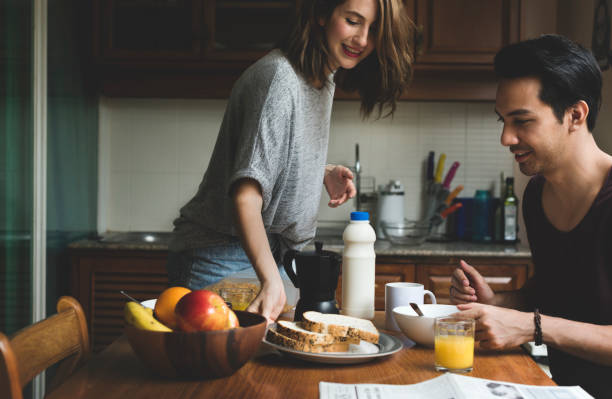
(136, 262)
(158, 241)
(450, 248)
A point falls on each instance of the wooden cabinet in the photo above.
(181, 48)
(503, 274)
(97, 276)
(198, 48)
(456, 41)
(464, 33)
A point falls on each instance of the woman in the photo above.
(261, 191)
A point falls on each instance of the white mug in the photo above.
(401, 294)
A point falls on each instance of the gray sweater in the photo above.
(275, 130)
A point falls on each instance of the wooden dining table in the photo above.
(117, 373)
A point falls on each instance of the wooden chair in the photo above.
(61, 337)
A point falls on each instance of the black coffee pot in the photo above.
(316, 278)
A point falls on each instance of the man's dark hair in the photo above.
(567, 72)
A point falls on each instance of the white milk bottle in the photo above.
(358, 267)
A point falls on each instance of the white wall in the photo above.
(153, 153)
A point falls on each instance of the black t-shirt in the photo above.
(573, 278)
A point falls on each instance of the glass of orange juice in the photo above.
(454, 344)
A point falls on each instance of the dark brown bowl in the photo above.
(200, 355)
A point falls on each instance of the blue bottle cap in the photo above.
(360, 216)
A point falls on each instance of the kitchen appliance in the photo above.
(390, 206)
(316, 276)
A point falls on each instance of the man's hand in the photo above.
(339, 184)
(498, 328)
(270, 300)
(467, 285)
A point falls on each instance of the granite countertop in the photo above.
(450, 248)
(158, 241)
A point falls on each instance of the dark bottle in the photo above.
(510, 212)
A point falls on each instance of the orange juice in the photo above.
(455, 352)
(239, 305)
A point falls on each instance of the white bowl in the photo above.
(420, 329)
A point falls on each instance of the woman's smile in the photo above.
(350, 51)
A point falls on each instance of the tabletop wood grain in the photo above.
(117, 373)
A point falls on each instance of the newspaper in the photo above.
(450, 386)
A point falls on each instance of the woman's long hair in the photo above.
(380, 78)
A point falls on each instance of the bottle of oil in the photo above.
(510, 212)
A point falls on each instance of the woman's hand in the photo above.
(247, 214)
(339, 184)
(467, 285)
(270, 300)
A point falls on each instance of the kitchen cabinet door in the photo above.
(456, 41)
(501, 277)
(464, 33)
(246, 30)
(98, 276)
(148, 30)
(181, 48)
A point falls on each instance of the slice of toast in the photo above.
(297, 332)
(275, 337)
(340, 326)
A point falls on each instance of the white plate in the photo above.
(364, 352)
(149, 303)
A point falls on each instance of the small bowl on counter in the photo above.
(408, 232)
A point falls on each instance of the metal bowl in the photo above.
(408, 232)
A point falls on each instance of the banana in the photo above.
(142, 317)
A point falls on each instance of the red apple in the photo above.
(202, 310)
(232, 320)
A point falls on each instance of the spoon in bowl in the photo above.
(416, 308)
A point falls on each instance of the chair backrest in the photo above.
(61, 337)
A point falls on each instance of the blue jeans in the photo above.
(198, 268)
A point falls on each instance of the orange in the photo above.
(166, 302)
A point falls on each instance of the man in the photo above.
(548, 96)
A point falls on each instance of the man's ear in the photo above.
(578, 115)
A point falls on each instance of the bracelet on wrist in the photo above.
(538, 327)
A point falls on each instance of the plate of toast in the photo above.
(331, 338)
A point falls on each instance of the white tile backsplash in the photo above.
(156, 152)
(155, 201)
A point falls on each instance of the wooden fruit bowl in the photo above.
(199, 355)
